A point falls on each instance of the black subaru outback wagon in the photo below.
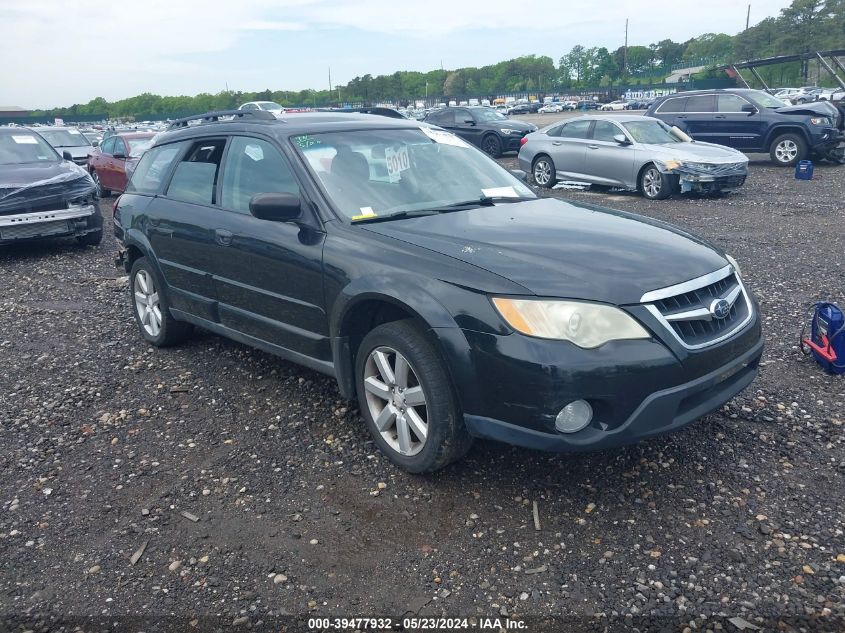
(432, 284)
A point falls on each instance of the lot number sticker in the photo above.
(25, 140)
(397, 162)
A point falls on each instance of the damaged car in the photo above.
(70, 140)
(43, 195)
(630, 152)
(755, 121)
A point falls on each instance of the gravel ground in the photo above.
(248, 490)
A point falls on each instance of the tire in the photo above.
(419, 438)
(654, 184)
(156, 326)
(491, 145)
(101, 193)
(547, 177)
(91, 239)
(787, 149)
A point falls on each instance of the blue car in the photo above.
(755, 121)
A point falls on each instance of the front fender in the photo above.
(422, 297)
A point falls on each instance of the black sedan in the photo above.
(484, 127)
(432, 284)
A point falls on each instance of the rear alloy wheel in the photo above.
(152, 313)
(101, 193)
(491, 145)
(654, 184)
(543, 172)
(788, 149)
(407, 399)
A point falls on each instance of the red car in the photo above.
(111, 164)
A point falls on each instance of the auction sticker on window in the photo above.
(397, 162)
(25, 140)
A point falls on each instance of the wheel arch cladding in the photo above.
(360, 308)
(785, 128)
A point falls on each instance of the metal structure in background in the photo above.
(823, 57)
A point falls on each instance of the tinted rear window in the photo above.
(675, 104)
(701, 103)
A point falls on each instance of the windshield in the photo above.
(651, 131)
(25, 147)
(269, 105)
(64, 138)
(765, 100)
(377, 172)
(486, 115)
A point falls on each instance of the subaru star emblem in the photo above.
(720, 308)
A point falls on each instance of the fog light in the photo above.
(574, 417)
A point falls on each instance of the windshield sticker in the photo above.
(74, 132)
(25, 140)
(366, 212)
(500, 192)
(445, 138)
(397, 162)
(304, 141)
(254, 152)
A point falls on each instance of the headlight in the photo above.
(587, 325)
(735, 265)
(821, 120)
(669, 164)
(506, 130)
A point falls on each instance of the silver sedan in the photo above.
(630, 152)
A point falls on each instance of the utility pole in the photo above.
(330, 82)
(748, 18)
(625, 53)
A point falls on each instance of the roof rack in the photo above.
(214, 117)
(379, 111)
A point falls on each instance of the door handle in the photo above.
(557, 142)
(223, 237)
(719, 116)
(593, 146)
(682, 116)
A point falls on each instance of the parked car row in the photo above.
(484, 127)
(808, 94)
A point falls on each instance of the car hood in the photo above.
(560, 249)
(77, 151)
(696, 151)
(29, 185)
(807, 109)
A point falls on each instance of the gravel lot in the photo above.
(255, 493)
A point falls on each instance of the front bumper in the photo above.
(830, 144)
(510, 143)
(512, 387)
(73, 222)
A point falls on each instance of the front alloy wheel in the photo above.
(396, 401)
(655, 185)
(407, 398)
(788, 149)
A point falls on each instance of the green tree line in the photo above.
(805, 25)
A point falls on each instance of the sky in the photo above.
(60, 52)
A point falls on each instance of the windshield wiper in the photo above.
(397, 215)
(482, 201)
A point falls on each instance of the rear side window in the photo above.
(675, 104)
(153, 168)
(119, 146)
(254, 166)
(576, 129)
(701, 103)
(195, 176)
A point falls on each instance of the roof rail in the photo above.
(213, 117)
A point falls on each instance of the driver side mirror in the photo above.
(120, 155)
(469, 121)
(276, 207)
(67, 156)
(621, 139)
(750, 109)
(95, 143)
(521, 175)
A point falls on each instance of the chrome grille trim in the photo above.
(698, 314)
